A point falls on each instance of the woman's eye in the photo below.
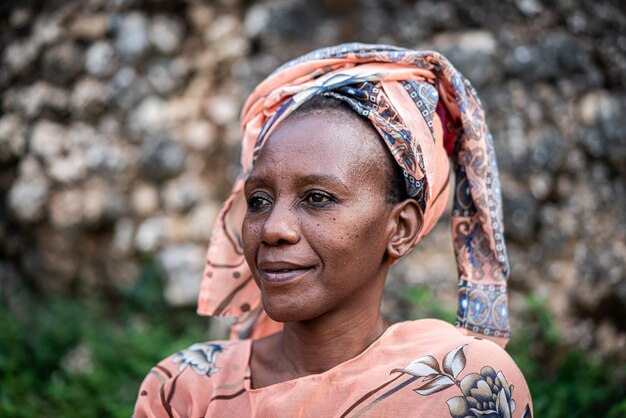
(317, 199)
(257, 203)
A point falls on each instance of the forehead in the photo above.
(323, 143)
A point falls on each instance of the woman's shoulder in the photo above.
(482, 373)
(443, 341)
(442, 336)
(187, 379)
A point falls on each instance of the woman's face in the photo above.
(317, 224)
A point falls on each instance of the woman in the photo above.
(345, 156)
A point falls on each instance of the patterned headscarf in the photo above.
(425, 111)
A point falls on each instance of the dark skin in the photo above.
(319, 237)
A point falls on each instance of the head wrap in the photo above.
(425, 111)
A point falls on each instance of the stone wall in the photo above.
(119, 138)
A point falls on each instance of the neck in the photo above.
(315, 346)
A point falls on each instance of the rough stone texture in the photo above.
(100, 59)
(12, 137)
(29, 192)
(119, 137)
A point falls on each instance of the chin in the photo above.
(287, 311)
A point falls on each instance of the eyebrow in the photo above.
(304, 180)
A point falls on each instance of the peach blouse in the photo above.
(423, 368)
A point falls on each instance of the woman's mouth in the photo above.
(281, 272)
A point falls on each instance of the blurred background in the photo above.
(119, 140)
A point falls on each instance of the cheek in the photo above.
(353, 237)
(250, 236)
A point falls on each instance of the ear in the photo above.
(405, 223)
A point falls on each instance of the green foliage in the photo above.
(427, 306)
(565, 382)
(86, 358)
(44, 374)
(550, 334)
(575, 386)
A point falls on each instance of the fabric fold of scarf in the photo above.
(426, 112)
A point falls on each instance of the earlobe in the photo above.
(406, 221)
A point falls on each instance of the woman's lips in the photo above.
(281, 272)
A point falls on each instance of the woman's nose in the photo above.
(281, 226)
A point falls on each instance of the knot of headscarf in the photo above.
(425, 111)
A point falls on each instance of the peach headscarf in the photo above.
(425, 111)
